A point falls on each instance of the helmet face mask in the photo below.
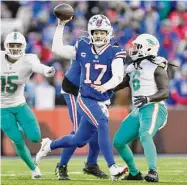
(144, 45)
(99, 37)
(101, 23)
(15, 45)
(136, 50)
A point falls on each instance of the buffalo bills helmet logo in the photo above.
(99, 22)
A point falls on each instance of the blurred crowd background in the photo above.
(167, 20)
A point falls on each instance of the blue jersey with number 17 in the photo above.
(96, 68)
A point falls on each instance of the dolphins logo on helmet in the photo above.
(15, 45)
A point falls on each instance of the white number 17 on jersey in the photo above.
(96, 66)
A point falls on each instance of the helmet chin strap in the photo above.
(99, 45)
(13, 58)
(99, 48)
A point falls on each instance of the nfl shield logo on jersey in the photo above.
(96, 56)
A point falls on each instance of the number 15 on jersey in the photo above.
(7, 85)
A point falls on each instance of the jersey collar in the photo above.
(99, 53)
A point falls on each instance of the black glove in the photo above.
(139, 101)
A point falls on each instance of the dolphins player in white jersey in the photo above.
(148, 80)
(16, 116)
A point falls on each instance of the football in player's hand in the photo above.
(63, 11)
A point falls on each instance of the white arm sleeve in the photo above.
(117, 74)
(67, 51)
(39, 68)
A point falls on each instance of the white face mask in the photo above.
(15, 45)
(136, 51)
(102, 24)
(15, 50)
(99, 37)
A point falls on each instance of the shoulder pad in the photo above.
(159, 60)
(119, 52)
(117, 47)
(82, 40)
(130, 68)
(2, 53)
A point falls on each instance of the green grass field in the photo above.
(172, 171)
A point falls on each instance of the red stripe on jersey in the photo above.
(86, 110)
(74, 111)
(122, 56)
(121, 52)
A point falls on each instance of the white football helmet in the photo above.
(144, 45)
(17, 50)
(99, 22)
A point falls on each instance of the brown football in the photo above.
(63, 11)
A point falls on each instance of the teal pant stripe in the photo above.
(142, 123)
(152, 117)
(161, 119)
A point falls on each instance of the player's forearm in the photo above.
(117, 74)
(65, 51)
(160, 95)
(162, 82)
(40, 68)
(123, 84)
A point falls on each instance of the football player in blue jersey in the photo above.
(70, 88)
(102, 69)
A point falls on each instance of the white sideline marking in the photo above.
(27, 173)
(7, 175)
(171, 171)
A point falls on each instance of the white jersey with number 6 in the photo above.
(142, 81)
